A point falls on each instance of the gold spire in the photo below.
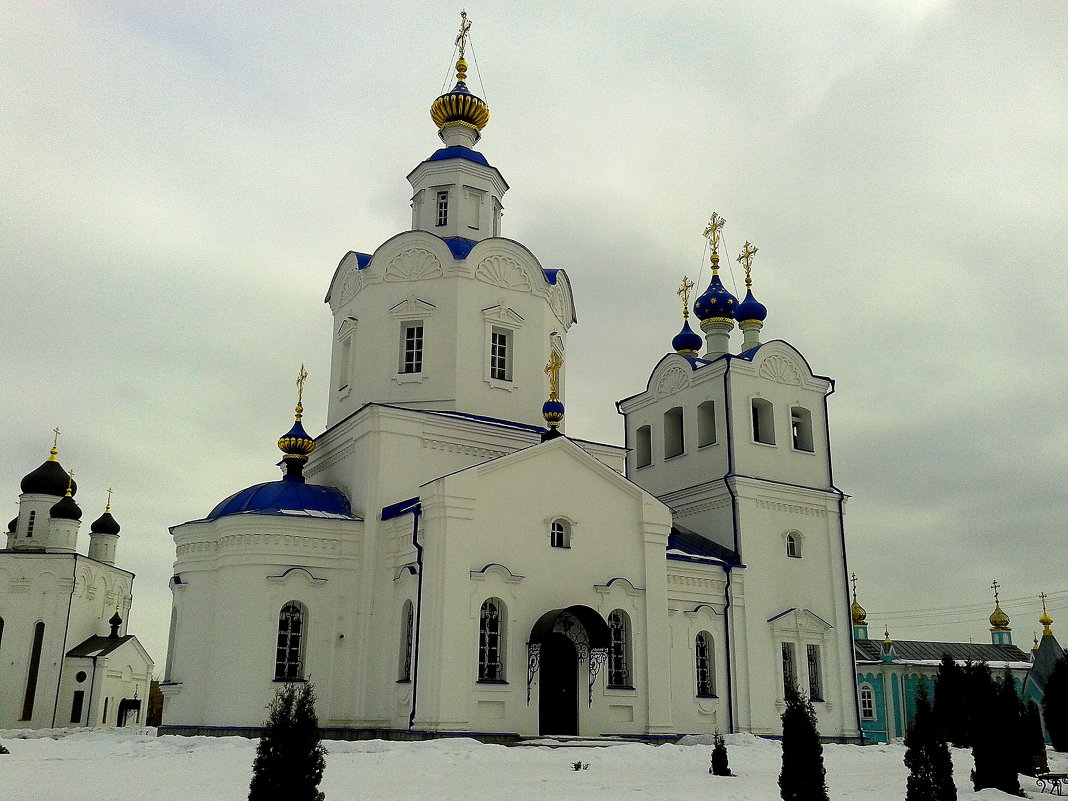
(1045, 620)
(684, 293)
(459, 106)
(552, 369)
(295, 443)
(55, 446)
(999, 621)
(712, 234)
(856, 611)
(745, 258)
(886, 635)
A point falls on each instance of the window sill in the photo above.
(765, 444)
(810, 451)
(290, 681)
(620, 689)
(699, 696)
(674, 456)
(410, 378)
(492, 682)
(497, 383)
(640, 466)
(793, 556)
(707, 445)
(404, 681)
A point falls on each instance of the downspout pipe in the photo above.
(727, 482)
(416, 512)
(727, 632)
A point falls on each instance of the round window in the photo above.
(80, 677)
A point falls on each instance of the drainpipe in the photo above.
(416, 511)
(63, 641)
(737, 544)
(730, 653)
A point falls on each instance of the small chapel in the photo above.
(444, 559)
(68, 658)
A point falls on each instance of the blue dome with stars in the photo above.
(750, 309)
(715, 302)
(687, 341)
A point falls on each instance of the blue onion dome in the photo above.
(66, 509)
(715, 303)
(687, 342)
(460, 106)
(750, 308)
(553, 412)
(105, 524)
(295, 444)
(49, 479)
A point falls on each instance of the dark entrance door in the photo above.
(558, 686)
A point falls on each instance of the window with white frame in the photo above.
(674, 442)
(643, 447)
(500, 354)
(411, 350)
(491, 641)
(867, 702)
(789, 667)
(815, 679)
(619, 638)
(706, 665)
(801, 428)
(560, 534)
(407, 630)
(289, 650)
(706, 424)
(793, 544)
(443, 207)
(763, 421)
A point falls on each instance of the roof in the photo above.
(1049, 651)
(99, 646)
(459, 152)
(285, 498)
(689, 546)
(920, 650)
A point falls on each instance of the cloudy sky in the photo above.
(178, 182)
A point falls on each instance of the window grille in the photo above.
(412, 361)
(815, 685)
(490, 657)
(789, 669)
(867, 703)
(443, 208)
(288, 664)
(706, 678)
(618, 649)
(499, 355)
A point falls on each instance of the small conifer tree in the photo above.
(803, 777)
(1033, 737)
(992, 730)
(1055, 704)
(290, 757)
(950, 702)
(927, 756)
(719, 765)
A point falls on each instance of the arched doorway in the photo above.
(567, 647)
(558, 690)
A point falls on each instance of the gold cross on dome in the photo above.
(552, 369)
(1042, 596)
(994, 587)
(715, 225)
(853, 578)
(70, 480)
(302, 376)
(108, 507)
(461, 37)
(745, 258)
(55, 439)
(684, 293)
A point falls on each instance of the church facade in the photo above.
(68, 659)
(442, 559)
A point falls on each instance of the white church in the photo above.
(442, 559)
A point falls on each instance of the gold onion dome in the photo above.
(460, 107)
(857, 612)
(998, 619)
(1045, 620)
(295, 443)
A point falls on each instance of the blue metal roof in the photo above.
(459, 152)
(285, 498)
(459, 246)
(550, 275)
(362, 260)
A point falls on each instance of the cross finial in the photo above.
(745, 258)
(715, 225)
(853, 578)
(552, 369)
(70, 481)
(302, 376)
(461, 37)
(994, 587)
(108, 507)
(684, 293)
(55, 445)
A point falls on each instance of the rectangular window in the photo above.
(76, 706)
(643, 447)
(500, 355)
(706, 424)
(815, 685)
(412, 347)
(867, 703)
(443, 208)
(674, 440)
(789, 668)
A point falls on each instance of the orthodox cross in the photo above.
(108, 508)
(461, 37)
(302, 376)
(994, 587)
(1042, 595)
(55, 445)
(715, 225)
(70, 481)
(552, 369)
(684, 293)
(853, 578)
(745, 258)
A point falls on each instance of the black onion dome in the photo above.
(13, 524)
(116, 619)
(105, 524)
(49, 479)
(66, 509)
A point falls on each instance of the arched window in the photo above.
(619, 649)
(801, 428)
(643, 447)
(289, 655)
(407, 630)
(706, 665)
(674, 442)
(763, 421)
(491, 641)
(706, 424)
(560, 534)
(793, 544)
(867, 702)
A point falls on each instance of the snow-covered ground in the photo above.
(117, 765)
